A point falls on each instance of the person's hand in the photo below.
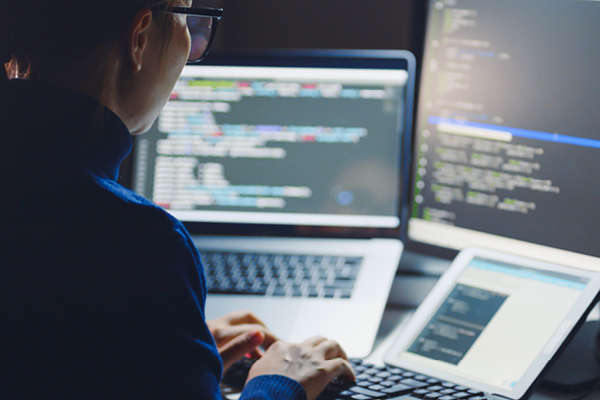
(238, 334)
(313, 363)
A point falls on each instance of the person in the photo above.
(103, 292)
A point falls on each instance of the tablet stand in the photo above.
(578, 366)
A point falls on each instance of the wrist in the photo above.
(275, 387)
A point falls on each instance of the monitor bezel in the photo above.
(359, 59)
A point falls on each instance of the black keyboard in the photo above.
(375, 382)
(281, 275)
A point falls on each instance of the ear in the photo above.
(139, 38)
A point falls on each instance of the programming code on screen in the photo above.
(458, 324)
(275, 145)
(507, 133)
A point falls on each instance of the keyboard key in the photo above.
(433, 396)
(387, 383)
(345, 276)
(421, 377)
(448, 384)
(366, 392)
(353, 261)
(447, 398)
(433, 381)
(474, 392)
(435, 388)
(447, 391)
(398, 389)
(413, 383)
(460, 388)
(361, 397)
(329, 260)
(376, 387)
(279, 291)
(461, 395)
(297, 293)
(408, 374)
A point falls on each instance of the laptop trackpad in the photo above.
(279, 314)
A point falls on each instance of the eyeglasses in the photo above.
(202, 24)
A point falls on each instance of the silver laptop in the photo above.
(287, 169)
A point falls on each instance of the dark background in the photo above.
(326, 24)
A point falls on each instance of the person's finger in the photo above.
(314, 341)
(244, 317)
(256, 354)
(237, 348)
(248, 318)
(339, 367)
(229, 333)
(331, 349)
(270, 338)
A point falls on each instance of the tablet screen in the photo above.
(495, 321)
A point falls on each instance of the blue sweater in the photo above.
(103, 292)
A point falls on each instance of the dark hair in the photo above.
(39, 33)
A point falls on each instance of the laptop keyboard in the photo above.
(375, 382)
(281, 275)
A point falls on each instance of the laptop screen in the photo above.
(278, 145)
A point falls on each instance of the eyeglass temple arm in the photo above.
(207, 12)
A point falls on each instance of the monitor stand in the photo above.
(578, 366)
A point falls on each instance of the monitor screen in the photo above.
(278, 145)
(507, 148)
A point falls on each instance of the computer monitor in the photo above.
(507, 148)
(302, 138)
